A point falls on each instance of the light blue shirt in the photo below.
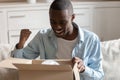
(87, 49)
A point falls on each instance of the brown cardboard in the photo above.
(8, 63)
(34, 70)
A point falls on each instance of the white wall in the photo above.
(107, 23)
(42, 0)
(10, 0)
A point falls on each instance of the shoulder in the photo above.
(44, 32)
(90, 36)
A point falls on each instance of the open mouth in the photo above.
(59, 32)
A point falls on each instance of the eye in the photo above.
(63, 22)
(52, 22)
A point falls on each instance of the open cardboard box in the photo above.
(34, 70)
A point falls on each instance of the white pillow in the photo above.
(8, 74)
(111, 59)
(5, 50)
(5, 73)
(111, 49)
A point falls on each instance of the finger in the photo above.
(75, 59)
(82, 69)
(79, 65)
(25, 32)
(28, 32)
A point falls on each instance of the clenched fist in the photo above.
(24, 35)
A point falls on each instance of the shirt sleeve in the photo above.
(94, 70)
(31, 51)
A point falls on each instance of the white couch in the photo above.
(111, 60)
(7, 74)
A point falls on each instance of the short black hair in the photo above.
(62, 5)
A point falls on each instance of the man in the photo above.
(66, 40)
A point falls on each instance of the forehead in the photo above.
(58, 13)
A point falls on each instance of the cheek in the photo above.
(66, 30)
(67, 26)
(53, 26)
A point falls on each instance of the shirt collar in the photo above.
(80, 32)
(51, 34)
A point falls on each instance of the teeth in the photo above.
(58, 31)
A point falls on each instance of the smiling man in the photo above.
(65, 40)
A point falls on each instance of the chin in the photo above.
(60, 36)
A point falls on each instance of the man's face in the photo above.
(61, 22)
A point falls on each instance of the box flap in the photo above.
(36, 65)
(76, 72)
(60, 61)
(8, 63)
(43, 67)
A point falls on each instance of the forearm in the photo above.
(93, 74)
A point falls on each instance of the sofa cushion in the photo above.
(111, 59)
(5, 50)
(8, 74)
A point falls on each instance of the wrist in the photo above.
(19, 46)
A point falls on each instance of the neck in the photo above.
(73, 35)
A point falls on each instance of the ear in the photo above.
(73, 17)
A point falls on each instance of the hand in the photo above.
(81, 67)
(24, 35)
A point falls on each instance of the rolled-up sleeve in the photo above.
(31, 51)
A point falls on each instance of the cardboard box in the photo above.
(34, 70)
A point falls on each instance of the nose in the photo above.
(57, 27)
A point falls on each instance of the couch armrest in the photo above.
(111, 59)
(5, 51)
(8, 74)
